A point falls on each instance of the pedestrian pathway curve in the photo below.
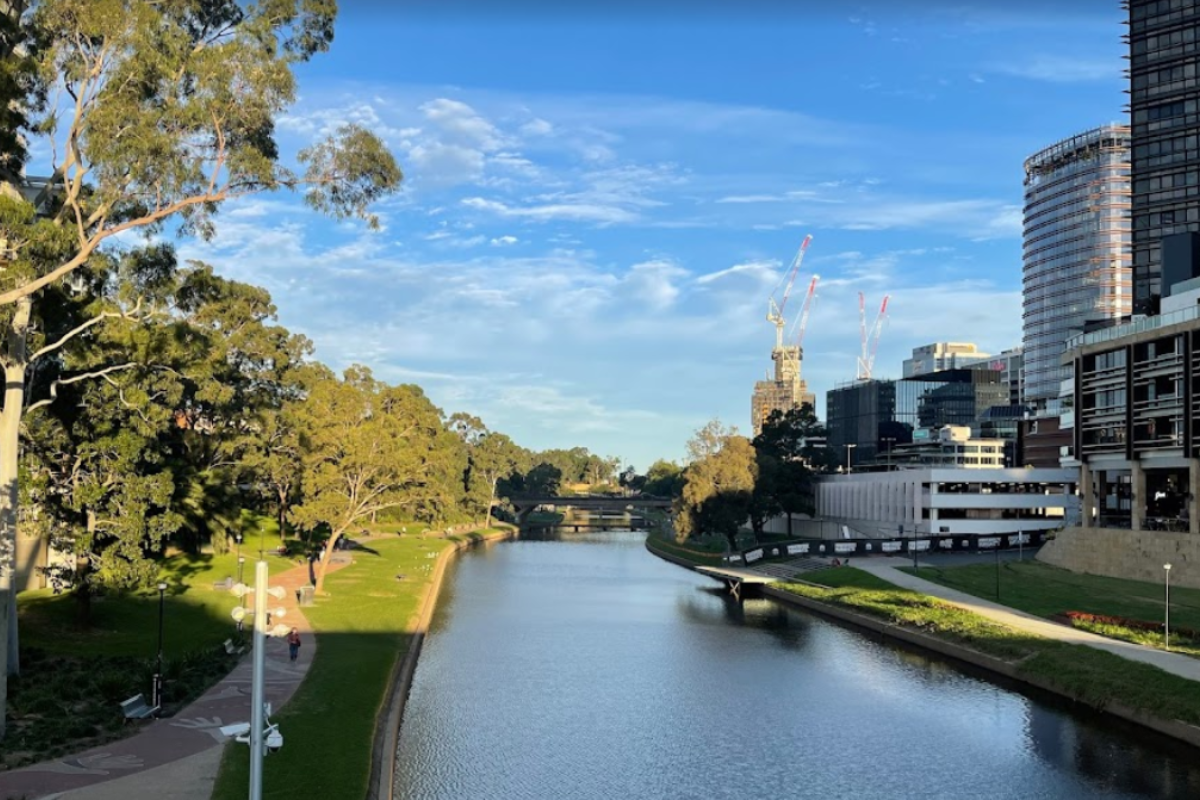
(144, 764)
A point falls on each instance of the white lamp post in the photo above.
(849, 447)
(1167, 607)
(260, 738)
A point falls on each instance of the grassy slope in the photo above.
(1090, 675)
(1044, 590)
(362, 628)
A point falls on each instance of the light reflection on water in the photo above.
(587, 668)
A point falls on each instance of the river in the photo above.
(585, 667)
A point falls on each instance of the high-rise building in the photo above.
(785, 391)
(1077, 250)
(1164, 105)
(939, 356)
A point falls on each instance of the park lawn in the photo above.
(662, 544)
(195, 615)
(1045, 590)
(1084, 673)
(362, 627)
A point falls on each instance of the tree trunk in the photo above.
(789, 517)
(488, 523)
(10, 442)
(283, 506)
(326, 557)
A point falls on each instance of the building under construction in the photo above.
(785, 389)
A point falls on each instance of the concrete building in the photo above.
(952, 447)
(783, 392)
(954, 501)
(1164, 100)
(941, 356)
(1077, 250)
(1137, 389)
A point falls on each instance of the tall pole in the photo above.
(1167, 609)
(849, 448)
(256, 686)
(997, 571)
(158, 671)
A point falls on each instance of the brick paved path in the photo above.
(192, 730)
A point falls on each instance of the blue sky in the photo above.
(598, 203)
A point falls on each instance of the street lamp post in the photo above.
(158, 670)
(889, 440)
(849, 468)
(1167, 607)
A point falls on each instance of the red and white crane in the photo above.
(870, 338)
(775, 309)
(802, 325)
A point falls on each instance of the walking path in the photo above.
(176, 757)
(1174, 663)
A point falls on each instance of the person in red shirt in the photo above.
(293, 640)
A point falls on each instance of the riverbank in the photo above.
(1132, 691)
(387, 728)
(364, 628)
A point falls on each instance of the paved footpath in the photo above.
(176, 757)
(1175, 663)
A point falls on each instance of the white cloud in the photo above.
(1059, 69)
(504, 241)
(578, 212)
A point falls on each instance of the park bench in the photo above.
(137, 708)
(233, 650)
(223, 586)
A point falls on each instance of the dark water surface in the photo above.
(587, 668)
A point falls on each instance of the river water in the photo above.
(585, 667)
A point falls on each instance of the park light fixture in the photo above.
(1167, 608)
(259, 732)
(156, 689)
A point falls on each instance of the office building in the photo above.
(1011, 366)
(1164, 105)
(870, 416)
(939, 356)
(1077, 250)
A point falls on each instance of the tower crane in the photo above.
(802, 325)
(775, 310)
(870, 338)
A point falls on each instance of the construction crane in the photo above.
(775, 310)
(802, 325)
(870, 338)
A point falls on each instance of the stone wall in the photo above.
(1137, 555)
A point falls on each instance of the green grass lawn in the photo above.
(1092, 676)
(665, 544)
(362, 627)
(1044, 590)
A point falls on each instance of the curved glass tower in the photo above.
(1077, 249)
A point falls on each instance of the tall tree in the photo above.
(367, 447)
(490, 457)
(718, 483)
(162, 111)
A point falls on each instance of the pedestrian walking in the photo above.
(293, 640)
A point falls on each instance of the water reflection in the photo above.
(579, 666)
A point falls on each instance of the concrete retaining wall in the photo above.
(1117, 553)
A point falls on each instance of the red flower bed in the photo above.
(1126, 622)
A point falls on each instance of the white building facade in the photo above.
(955, 501)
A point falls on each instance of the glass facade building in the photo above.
(874, 415)
(1164, 106)
(1077, 250)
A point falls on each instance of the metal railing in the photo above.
(1137, 326)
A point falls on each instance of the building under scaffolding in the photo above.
(786, 391)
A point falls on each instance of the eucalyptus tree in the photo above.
(367, 447)
(490, 457)
(718, 483)
(157, 113)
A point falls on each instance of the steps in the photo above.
(786, 570)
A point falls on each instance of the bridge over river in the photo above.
(523, 506)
